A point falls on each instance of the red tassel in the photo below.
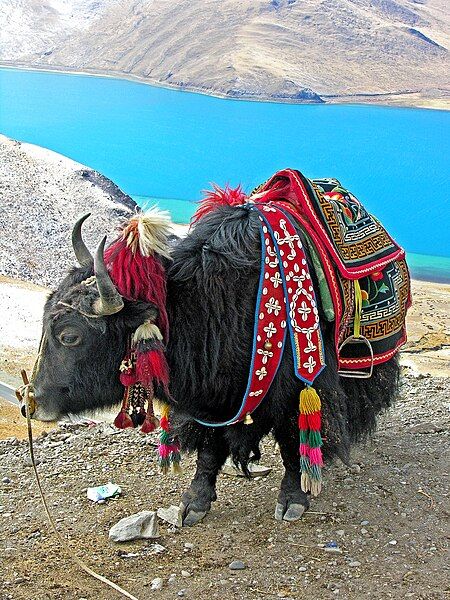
(164, 423)
(314, 421)
(123, 420)
(149, 425)
(302, 421)
(139, 277)
(152, 365)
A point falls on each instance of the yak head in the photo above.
(86, 326)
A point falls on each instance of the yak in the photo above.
(212, 281)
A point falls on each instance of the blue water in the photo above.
(161, 143)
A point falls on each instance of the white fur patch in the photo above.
(154, 226)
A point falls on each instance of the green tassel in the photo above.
(303, 437)
(315, 439)
(315, 472)
(164, 437)
(304, 464)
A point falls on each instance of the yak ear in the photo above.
(138, 312)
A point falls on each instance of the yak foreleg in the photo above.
(196, 500)
(292, 501)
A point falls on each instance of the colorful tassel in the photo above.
(169, 450)
(123, 420)
(309, 422)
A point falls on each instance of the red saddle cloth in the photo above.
(353, 246)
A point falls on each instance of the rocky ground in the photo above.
(387, 515)
(42, 194)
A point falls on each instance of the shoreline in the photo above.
(391, 99)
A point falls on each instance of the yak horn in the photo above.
(83, 255)
(110, 300)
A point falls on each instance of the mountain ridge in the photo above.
(309, 51)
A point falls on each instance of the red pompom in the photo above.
(219, 197)
(164, 422)
(123, 420)
(127, 379)
(314, 421)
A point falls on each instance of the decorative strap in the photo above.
(285, 302)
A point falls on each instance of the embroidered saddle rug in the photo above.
(363, 282)
(364, 272)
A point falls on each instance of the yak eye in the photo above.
(69, 338)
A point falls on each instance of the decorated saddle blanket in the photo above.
(362, 275)
(367, 279)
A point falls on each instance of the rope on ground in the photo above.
(61, 540)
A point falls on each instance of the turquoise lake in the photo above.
(168, 145)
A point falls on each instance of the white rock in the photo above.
(171, 515)
(141, 525)
(157, 584)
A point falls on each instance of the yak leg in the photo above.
(292, 501)
(196, 500)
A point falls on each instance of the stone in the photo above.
(426, 428)
(185, 574)
(354, 563)
(155, 549)
(188, 545)
(364, 522)
(157, 583)
(237, 565)
(355, 469)
(6, 480)
(172, 515)
(141, 525)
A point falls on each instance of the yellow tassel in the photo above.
(176, 469)
(309, 401)
(165, 409)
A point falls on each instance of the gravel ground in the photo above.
(387, 514)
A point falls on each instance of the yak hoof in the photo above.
(193, 517)
(294, 512)
(190, 516)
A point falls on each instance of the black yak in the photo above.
(212, 285)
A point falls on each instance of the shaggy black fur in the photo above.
(212, 293)
(212, 288)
